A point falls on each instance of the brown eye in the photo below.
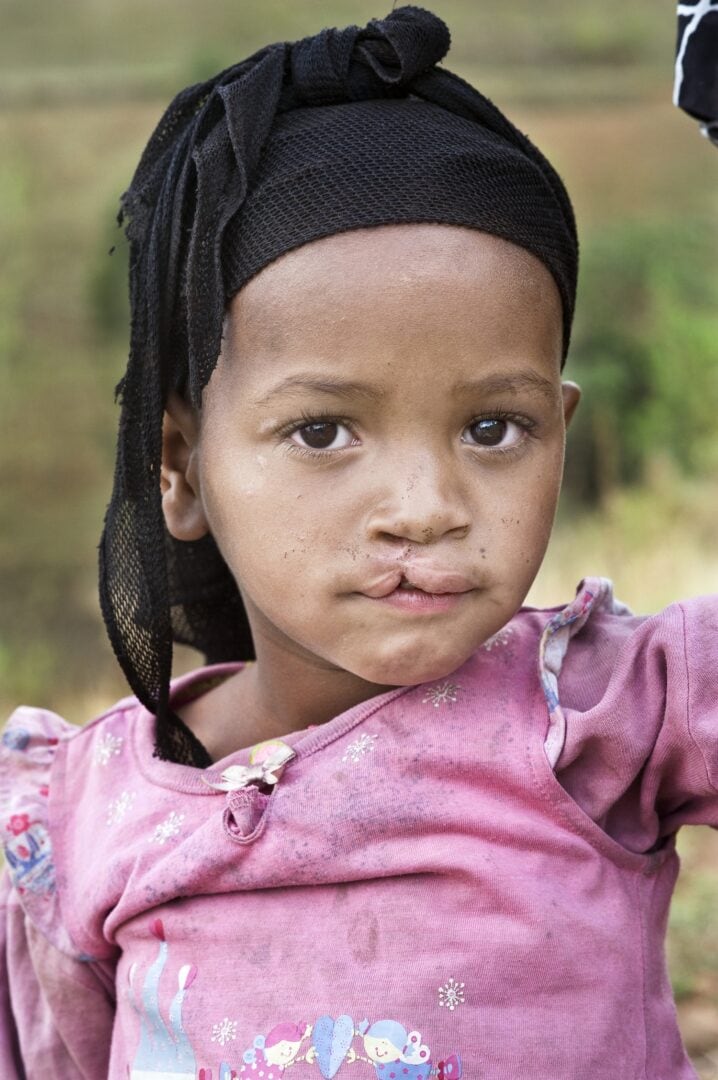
(319, 436)
(323, 435)
(489, 432)
(493, 432)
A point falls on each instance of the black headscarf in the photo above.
(348, 129)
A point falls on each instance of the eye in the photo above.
(494, 432)
(322, 435)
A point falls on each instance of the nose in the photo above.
(420, 500)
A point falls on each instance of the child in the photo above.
(428, 832)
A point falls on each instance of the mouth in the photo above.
(419, 587)
(431, 580)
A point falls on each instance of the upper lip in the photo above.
(428, 577)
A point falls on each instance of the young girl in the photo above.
(428, 832)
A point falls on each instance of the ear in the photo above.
(179, 475)
(571, 394)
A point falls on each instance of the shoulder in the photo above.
(28, 749)
(681, 636)
(594, 644)
(633, 712)
(36, 743)
(35, 746)
(595, 619)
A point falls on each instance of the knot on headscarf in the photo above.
(381, 60)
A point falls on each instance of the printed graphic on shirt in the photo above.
(28, 854)
(356, 750)
(443, 694)
(392, 1052)
(451, 994)
(169, 828)
(164, 1051)
(500, 640)
(119, 808)
(17, 738)
(107, 747)
(270, 1054)
(384, 1049)
(224, 1031)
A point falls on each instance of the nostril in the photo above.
(395, 537)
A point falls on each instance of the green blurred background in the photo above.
(82, 84)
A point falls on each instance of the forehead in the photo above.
(394, 289)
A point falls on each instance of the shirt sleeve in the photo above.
(639, 705)
(56, 1006)
(56, 1012)
(687, 751)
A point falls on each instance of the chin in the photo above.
(403, 669)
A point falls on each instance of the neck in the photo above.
(272, 697)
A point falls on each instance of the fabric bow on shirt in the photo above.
(264, 772)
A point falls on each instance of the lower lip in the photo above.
(417, 602)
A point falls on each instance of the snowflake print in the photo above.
(168, 828)
(361, 746)
(224, 1031)
(444, 693)
(106, 747)
(119, 807)
(498, 640)
(451, 994)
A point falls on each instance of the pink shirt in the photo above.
(465, 878)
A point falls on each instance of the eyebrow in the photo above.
(346, 388)
(296, 384)
(510, 383)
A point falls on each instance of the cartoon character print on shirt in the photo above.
(276, 1051)
(400, 1055)
(392, 1052)
(396, 1053)
(164, 1051)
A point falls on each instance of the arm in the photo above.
(56, 1012)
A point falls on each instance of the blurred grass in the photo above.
(693, 947)
(81, 86)
(96, 47)
(656, 543)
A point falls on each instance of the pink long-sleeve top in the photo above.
(470, 877)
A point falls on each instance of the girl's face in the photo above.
(387, 411)
(381, 1050)
(282, 1052)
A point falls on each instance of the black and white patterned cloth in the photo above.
(696, 77)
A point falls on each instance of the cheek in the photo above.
(260, 518)
(519, 517)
